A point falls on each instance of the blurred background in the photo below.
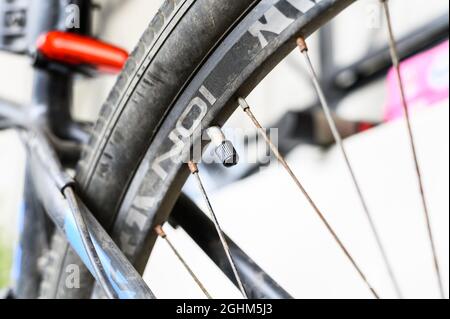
(295, 250)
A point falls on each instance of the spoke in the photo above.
(283, 162)
(338, 138)
(161, 233)
(396, 63)
(195, 171)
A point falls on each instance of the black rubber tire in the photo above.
(154, 78)
(105, 171)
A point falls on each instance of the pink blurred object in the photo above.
(426, 80)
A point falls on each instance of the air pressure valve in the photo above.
(224, 149)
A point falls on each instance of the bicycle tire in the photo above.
(148, 100)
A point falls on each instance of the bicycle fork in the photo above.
(54, 188)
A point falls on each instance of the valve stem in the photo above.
(225, 150)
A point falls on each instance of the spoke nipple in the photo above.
(225, 150)
(243, 103)
(193, 167)
(301, 43)
(160, 231)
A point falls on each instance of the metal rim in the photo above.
(156, 194)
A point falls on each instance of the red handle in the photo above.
(75, 49)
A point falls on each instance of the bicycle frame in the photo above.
(51, 99)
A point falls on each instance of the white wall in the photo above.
(301, 268)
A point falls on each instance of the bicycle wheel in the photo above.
(191, 64)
